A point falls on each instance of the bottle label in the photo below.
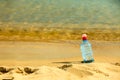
(87, 52)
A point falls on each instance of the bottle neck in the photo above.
(85, 41)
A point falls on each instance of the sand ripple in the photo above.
(101, 71)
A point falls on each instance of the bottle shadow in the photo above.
(74, 62)
(69, 62)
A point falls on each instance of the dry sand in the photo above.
(58, 61)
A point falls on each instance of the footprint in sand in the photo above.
(30, 70)
(4, 70)
(78, 72)
(115, 68)
(85, 71)
(100, 72)
(64, 67)
(117, 64)
(96, 71)
(26, 70)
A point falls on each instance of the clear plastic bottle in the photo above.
(86, 49)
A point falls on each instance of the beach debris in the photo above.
(64, 67)
(86, 50)
(4, 70)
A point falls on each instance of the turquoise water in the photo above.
(60, 11)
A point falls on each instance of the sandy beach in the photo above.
(40, 39)
(58, 61)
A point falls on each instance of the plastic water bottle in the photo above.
(86, 49)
